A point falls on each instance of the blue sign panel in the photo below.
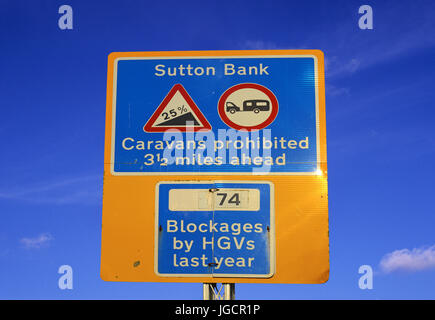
(217, 229)
(226, 115)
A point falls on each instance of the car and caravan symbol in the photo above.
(248, 105)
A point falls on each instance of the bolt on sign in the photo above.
(215, 167)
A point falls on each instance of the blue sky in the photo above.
(381, 146)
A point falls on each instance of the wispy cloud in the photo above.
(334, 91)
(334, 65)
(77, 190)
(259, 45)
(35, 243)
(417, 259)
(266, 45)
(349, 50)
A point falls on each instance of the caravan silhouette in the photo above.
(249, 105)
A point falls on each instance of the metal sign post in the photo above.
(212, 292)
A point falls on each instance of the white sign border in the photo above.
(187, 173)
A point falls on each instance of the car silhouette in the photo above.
(248, 105)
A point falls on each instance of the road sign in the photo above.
(179, 123)
(290, 143)
(237, 105)
(214, 229)
(177, 111)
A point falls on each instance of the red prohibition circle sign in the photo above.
(232, 124)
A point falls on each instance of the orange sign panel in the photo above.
(215, 167)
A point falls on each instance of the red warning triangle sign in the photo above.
(177, 111)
